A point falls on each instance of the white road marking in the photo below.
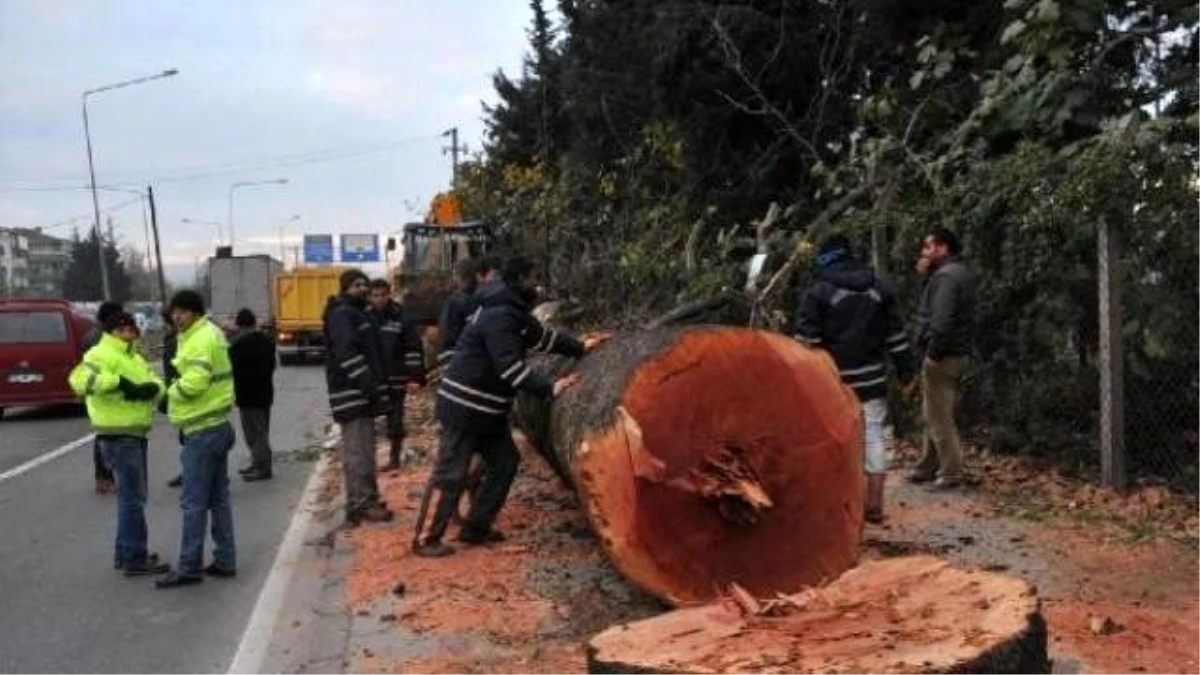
(252, 650)
(46, 457)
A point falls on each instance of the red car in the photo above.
(40, 342)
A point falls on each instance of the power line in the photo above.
(237, 167)
(89, 215)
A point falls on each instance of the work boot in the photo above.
(104, 486)
(175, 482)
(151, 558)
(371, 514)
(214, 571)
(919, 476)
(946, 482)
(475, 537)
(392, 465)
(173, 579)
(433, 549)
(146, 568)
(874, 516)
(249, 469)
(256, 475)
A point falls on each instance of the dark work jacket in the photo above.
(400, 342)
(947, 311)
(252, 354)
(488, 367)
(354, 371)
(455, 312)
(854, 314)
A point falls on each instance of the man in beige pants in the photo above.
(946, 326)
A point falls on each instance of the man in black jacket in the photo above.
(471, 273)
(358, 391)
(403, 359)
(107, 310)
(947, 323)
(475, 397)
(854, 314)
(252, 355)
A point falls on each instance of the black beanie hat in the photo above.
(107, 309)
(189, 300)
(119, 320)
(350, 276)
(245, 318)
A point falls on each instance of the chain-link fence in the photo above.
(1159, 331)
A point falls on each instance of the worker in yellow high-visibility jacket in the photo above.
(120, 391)
(199, 401)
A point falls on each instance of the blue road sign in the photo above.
(360, 248)
(318, 248)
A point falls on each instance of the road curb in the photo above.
(256, 640)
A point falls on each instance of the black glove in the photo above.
(162, 405)
(127, 388)
(146, 391)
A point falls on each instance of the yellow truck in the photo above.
(300, 298)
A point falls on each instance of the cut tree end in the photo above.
(906, 615)
(733, 456)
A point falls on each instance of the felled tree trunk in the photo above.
(903, 615)
(709, 456)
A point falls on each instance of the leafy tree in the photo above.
(82, 280)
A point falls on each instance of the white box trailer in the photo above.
(247, 281)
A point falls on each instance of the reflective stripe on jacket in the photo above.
(95, 380)
(202, 396)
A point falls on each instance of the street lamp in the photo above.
(247, 183)
(192, 221)
(87, 135)
(282, 251)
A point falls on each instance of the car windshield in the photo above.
(32, 328)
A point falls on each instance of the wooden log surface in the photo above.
(901, 615)
(706, 456)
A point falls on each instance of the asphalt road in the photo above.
(62, 606)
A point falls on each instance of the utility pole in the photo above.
(453, 149)
(162, 280)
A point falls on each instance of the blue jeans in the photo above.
(125, 456)
(205, 460)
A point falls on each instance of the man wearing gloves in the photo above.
(199, 402)
(120, 391)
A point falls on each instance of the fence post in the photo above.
(1112, 357)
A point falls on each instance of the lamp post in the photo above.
(87, 135)
(246, 183)
(282, 251)
(193, 221)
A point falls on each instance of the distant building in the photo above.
(32, 263)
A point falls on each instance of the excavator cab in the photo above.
(425, 277)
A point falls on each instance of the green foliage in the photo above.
(643, 140)
(81, 282)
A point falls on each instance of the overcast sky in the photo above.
(344, 98)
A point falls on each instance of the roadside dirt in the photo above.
(530, 603)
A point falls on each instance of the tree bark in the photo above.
(707, 456)
(906, 615)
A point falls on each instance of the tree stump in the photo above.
(706, 456)
(905, 615)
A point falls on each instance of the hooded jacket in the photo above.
(488, 366)
(96, 379)
(947, 311)
(401, 347)
(854, 314)
(354, 372)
